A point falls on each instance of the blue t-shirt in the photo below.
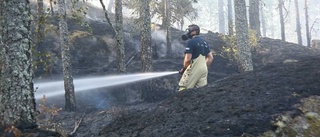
(196, 46)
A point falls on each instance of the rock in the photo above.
(315, 44)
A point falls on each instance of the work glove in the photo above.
(181, 71)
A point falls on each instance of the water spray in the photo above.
(54, 88)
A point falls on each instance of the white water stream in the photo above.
(54, 88)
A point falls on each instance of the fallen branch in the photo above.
(77, 123)
(134, 55)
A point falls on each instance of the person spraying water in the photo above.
(198, 58)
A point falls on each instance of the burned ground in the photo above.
(239, 104)
(232, 104)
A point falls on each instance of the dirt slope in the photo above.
(239, 104)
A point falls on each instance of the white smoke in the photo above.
(159, 39)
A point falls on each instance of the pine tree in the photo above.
(230, 18)
(283, 32)
(254, 17)
(243, 47)
(146, 50)
(66, 59)
(307, 23)
(298, 24)
(17, 93)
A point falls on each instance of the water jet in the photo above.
(54, 88)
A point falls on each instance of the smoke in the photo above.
(98, 98)
(159, 40)
(177, 47)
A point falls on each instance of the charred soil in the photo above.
(242, 104)
(232, 104)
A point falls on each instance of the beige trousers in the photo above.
(195, 75)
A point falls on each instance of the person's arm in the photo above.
(187, 60)
(209, 59)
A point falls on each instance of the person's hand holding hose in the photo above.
(181, 71)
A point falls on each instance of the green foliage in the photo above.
(229, 50)
(45, 59)
(253, 39)
(41, 20)
(79, 11)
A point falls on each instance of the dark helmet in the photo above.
(194, 27)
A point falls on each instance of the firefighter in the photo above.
(198, 58)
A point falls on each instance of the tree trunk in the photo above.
(118, 30)
(146, 52)
(168, 24)
(39, 37)
(221, 17)
(254, 18)
(110, 5)
(181, 24)
(272, 26)
(51, 8)
(243, 47)
(283, 32)
(263, 21)
(40, 22)
(230, 18)
(307, 23)
(145, 36)
(163, 14)
(298, 25)
(17, 93)
(66, 61)
(119, 36)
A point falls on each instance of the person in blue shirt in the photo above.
(198, 58)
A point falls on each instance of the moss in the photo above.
(311, 104)
(268, 134)
(51, 29)
(307, 124)
(313, 120)
(78, 34)
(287, 131)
